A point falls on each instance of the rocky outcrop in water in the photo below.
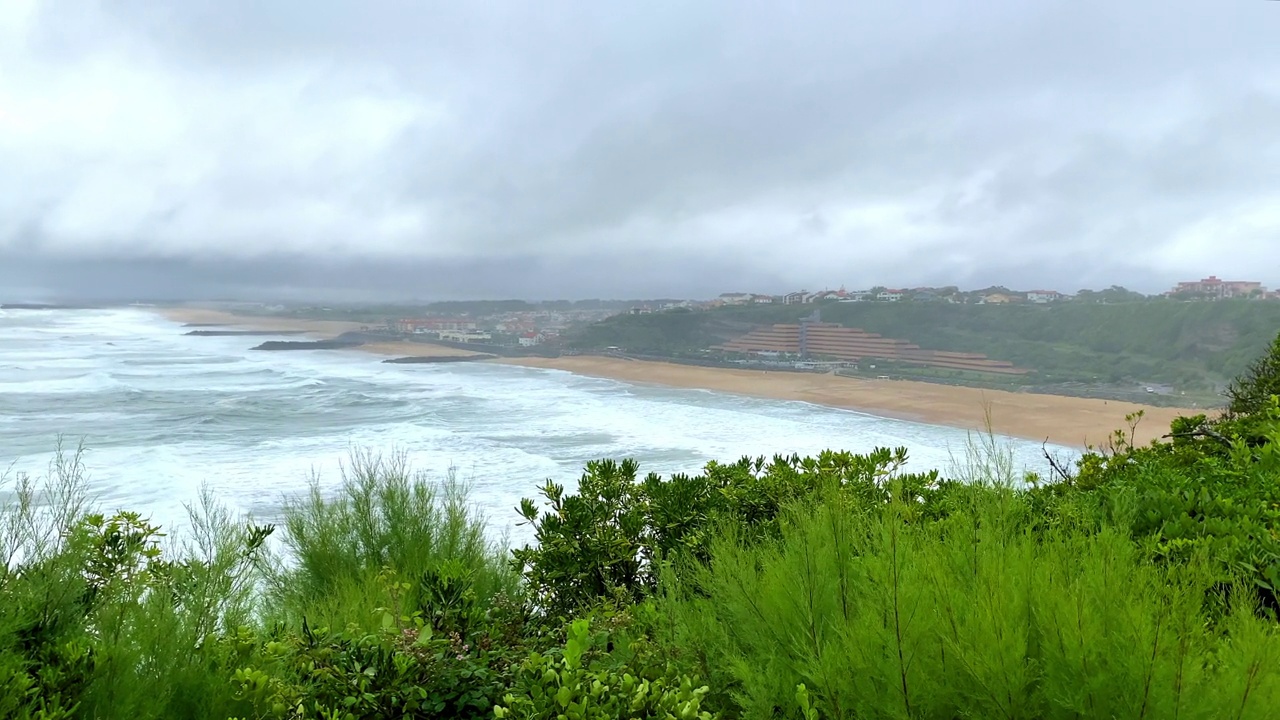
(335, 344)
(237, 333)
(428, 360)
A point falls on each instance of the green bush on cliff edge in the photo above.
(1140, 582)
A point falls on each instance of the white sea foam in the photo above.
(162, 413)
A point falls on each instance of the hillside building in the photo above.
(434, 325)
(830, 340)
(1216, 289)
(1042, 297)
(465, 336)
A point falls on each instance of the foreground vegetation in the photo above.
(1139, 583)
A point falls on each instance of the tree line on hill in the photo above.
(1138, 582)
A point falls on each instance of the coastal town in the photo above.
(534, 325)
(1210, 288)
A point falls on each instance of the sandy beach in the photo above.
(1064, 420)
(1068, 421)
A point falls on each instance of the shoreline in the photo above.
(1059, 419)
(1062, 420)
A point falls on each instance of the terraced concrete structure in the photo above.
(819, 339)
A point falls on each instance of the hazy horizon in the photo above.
(386, 150)
(318, 297)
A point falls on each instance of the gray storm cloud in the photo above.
(621, 149)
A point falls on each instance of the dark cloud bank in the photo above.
(580, 149)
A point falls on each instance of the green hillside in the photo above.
(1192, 346)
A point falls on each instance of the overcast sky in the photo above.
(610, 149)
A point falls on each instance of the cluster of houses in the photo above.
(1210, 288)
(992, 296)
(444, 328)
(651, 308)
(463, 330)
(531, 328)
(524, 328)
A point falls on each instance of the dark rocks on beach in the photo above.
(237, 333)
(336, 344)
(437, 359)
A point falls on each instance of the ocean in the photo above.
(161, 414)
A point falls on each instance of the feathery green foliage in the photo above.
(1141, 583)
(98, 621)
(393, 601)
(886, 612)
(387, 517)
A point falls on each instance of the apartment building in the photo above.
(1217, 289)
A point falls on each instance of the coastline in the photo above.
(1070, 421)
(1063, 420)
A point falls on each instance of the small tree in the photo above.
(1250, 393)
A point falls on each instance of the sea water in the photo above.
(161, 414)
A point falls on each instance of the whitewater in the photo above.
(160, 414)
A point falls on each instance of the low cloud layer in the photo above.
(578, 149)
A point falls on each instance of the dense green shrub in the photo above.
(589, 543)
(608, 540)
(1251, 392)
(1214, 488)
(403, 668)
(579, 682)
